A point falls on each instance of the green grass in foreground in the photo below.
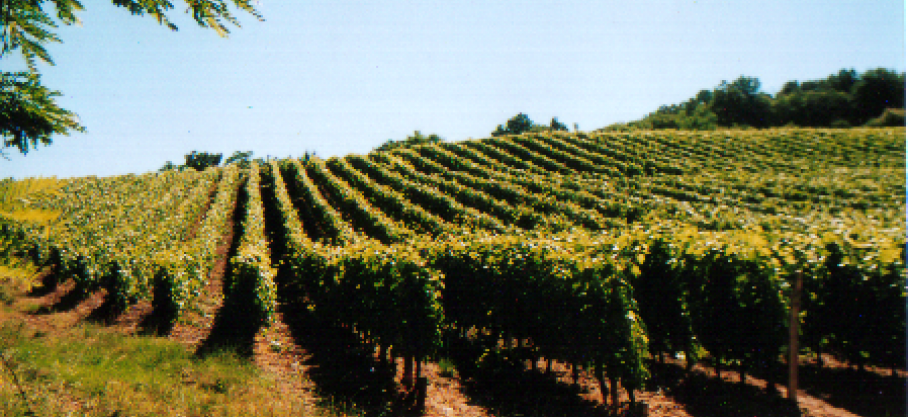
(93, 371)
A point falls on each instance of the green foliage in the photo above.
(877, 90)
(515, 126)
(182, 273)
(386, 293)
(28, 113)
(557, 126)
(841, 100)
(169, 166)
(243, 159)
(334, 228)
(573, 305)
(251, 274)
(27, 27)
(851, 298)
(663, 300)
(521, 123)
(416, 139)
(201, 160)
(741, 103)
(209, 14)
(812, 108)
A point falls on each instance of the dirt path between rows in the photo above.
(276, 351)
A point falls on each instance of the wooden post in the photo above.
(407, 378)
(793, 340)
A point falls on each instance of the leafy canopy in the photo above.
(844, 99)
(417, 138)
(522, 123)
(200, 160)
(29, 114)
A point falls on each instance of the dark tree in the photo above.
(243, 159)
(741, 103)
(875, 98)
(844, 81)
(791, 87)
(169, 166)
(557, 126)
(201, 160)
(416, 139)
(812, 108)
(515, 126)
(878, 90)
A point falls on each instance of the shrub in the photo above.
(890, 117)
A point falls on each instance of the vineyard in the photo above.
(603, 251)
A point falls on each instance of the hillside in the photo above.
(602, 250)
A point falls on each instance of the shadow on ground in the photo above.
(345, 371)
(705, 395)
(506, 388)
(232, 328)
(861, 392)
(49, 280)
(67, 302)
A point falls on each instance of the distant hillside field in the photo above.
(607, 249)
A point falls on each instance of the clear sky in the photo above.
(339, 77)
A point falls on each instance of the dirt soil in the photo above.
(323, 366)
(838, 389)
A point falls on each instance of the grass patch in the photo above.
(16, 274)
(95, 372)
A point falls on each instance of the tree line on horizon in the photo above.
(874, 98)
(199, 161)
(514, 126)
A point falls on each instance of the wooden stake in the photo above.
(793, 340)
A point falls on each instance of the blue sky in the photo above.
(339, 77)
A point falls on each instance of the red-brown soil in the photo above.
(837, 390)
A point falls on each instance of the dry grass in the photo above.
(88, 370)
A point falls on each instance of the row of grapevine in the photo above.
(727, 297)
(502, 187)
(336, 230)
(521, 216)
(517, 149)
(384, 293)
(707, 210)
(573, 308)
(133, 219)
(183, 272)
(356, 208)
(627, 164)
(545, 193)
(604, 249)
(601, 163)
(725, 291)
(388, 200)
(251, 273)
(730, 290)
(576, 163)
(713, 273)
(433, 201)
(503, 158)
